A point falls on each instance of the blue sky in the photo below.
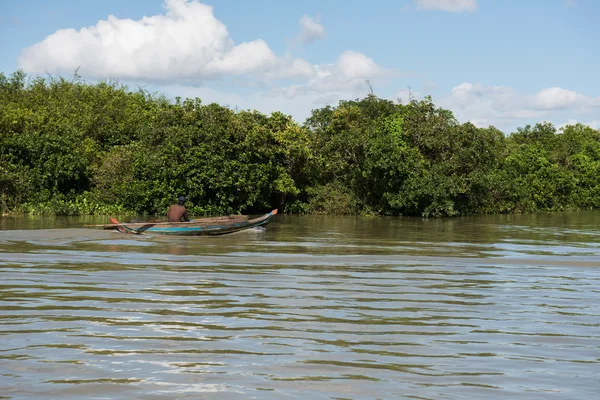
(504, 63)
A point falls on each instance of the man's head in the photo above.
(181, 200)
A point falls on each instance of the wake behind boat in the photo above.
(197, 227)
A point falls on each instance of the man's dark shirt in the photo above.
(177, 213)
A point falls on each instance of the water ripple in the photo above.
(283, 314)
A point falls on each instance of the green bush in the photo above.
(70, 147)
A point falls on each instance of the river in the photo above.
(309, 307)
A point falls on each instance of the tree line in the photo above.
(70, 147)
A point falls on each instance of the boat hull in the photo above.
(215, 228)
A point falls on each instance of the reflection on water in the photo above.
(309, 307)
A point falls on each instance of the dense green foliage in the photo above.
(69, 147)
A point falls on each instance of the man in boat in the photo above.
(178, 212)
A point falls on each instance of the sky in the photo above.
(504, 63)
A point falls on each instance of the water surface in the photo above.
(307, 308)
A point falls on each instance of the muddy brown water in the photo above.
(309, 307)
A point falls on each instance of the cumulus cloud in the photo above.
(187, 42)
(311, 30)
(447, 5)
(500, 105)
(347, 75)
(556, 98)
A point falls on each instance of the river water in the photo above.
(309, 307)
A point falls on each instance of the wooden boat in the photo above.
(198, 227)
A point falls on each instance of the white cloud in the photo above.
(447, 5)
(468, 95)
(188, 42)
(555, 98)
(352, 64)
(502, 106)
(347, 75)
(311, 30)
(569, 3)
(188, 45)
(186, 49)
